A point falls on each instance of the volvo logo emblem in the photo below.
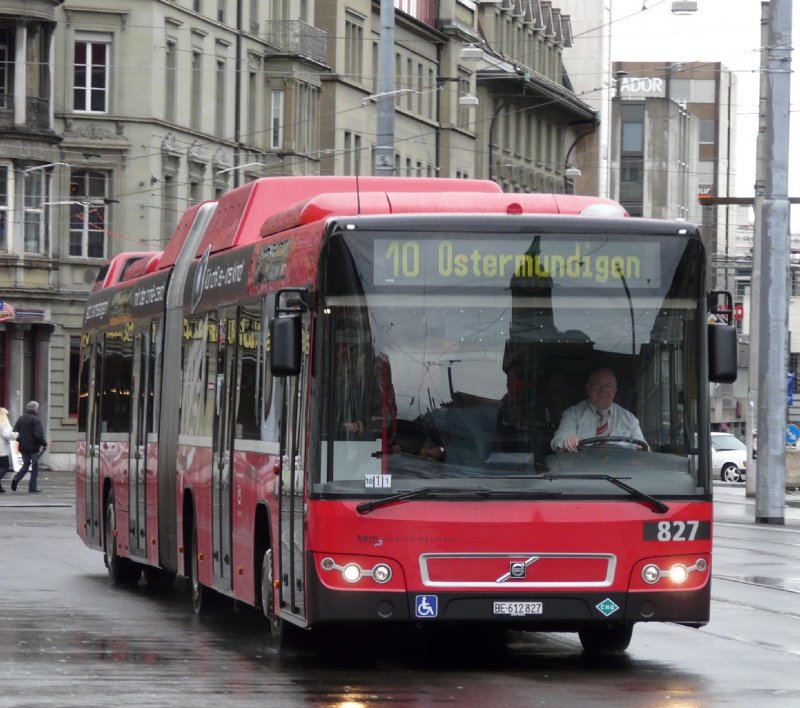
(518, 570)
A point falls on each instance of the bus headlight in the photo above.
(679, 573)
(651, 574)
(351, 573)
(381, 573)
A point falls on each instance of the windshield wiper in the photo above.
(421, 493)
(657, 506)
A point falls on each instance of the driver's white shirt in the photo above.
(581, 420)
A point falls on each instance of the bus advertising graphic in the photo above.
(336, 401)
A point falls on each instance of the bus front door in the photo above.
(137, 447)
(292, 547)
(94, 511)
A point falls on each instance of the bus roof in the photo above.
(125, 266)
(435, 202)
(241, 212)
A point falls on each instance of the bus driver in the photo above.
(597, 416)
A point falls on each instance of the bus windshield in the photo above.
(451, 358)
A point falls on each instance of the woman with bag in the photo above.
(7, 435)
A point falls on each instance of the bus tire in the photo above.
(607, 638)
(202, 596)
(268, 595)
(121, 571)
(283, 633)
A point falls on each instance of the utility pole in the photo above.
(772, 224)
(751, 419)
(384, 147)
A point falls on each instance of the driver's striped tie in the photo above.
(602, 424)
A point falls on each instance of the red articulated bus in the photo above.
(335, 399)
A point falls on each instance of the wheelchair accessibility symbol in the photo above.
(427, 605)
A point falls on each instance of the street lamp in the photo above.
(467, 100)
(570, 174)
(471, 53)
(44, 167)
(239, 167)
(684, 7)
(375, 97)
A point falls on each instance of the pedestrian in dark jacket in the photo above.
(32, 444)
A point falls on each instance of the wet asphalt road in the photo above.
(68, 638)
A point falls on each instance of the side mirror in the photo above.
(285, 346)
(722, 353)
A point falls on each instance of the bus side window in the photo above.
(115, 403)
(248, 385)
(269, 419)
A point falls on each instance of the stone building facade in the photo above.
(117, 116)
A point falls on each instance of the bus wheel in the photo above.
(606, 638)
(284, 634)
(268, 595)
(201, 595)
(121, 571)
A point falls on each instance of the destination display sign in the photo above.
(565, 261)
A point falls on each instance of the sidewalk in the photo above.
(731, 503)
(58, 489)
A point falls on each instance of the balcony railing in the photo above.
(37, 113)
(298, 38)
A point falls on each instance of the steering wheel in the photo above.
(591, 442)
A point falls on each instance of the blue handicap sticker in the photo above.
(427, 606)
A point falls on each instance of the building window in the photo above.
(252, 136)
(464, 112)
(795, 281)
(169, 206)
(276, 140)
(34, 212)
(195, 191)
(305, 120)
(280, 10)
(219, 122)
(5, 66)
(631, 186)
(5, 195)
(254, 16)
(91, 73)
(197, 89)
(88, 213)
(353, 47)
(171, 82)
(352, 153)
(707, 132)
(74, 369)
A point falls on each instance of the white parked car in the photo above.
(728, 457)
